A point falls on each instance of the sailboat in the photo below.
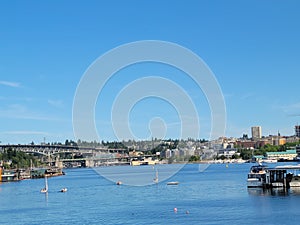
(45, 189)
(64, 190)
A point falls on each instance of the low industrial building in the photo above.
(287, 155)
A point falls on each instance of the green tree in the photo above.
(194, 158)
(17, 159)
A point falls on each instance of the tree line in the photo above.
(13, 159)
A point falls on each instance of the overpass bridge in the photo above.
(56, 149)
(91, 156)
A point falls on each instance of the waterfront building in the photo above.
(246, 144)
(258, 158)
(8, 175)
(287, 155)
(168, 153)
(292, 139)
(277, 140)
(175, 152)
(228, 153)
(263, 142)
(256, 132)
(298, 151)
(297, 131)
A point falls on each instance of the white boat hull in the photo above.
(277, 185)
(295, 184)
(254, 182)
(173, 183)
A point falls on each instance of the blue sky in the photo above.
(252, 47)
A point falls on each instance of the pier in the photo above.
(285, 177)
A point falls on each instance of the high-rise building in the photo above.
(256, 132)
(297, 131)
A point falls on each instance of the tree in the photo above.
(245, 154)
(17, 159)
(194, 158)
(222, 157)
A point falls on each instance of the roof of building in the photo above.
(292, 151)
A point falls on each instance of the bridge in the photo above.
(91, 156)
(56, 149)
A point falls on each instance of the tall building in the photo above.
(256, 132)
(297, 131)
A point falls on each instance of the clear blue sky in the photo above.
(253, 48)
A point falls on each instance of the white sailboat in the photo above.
(45, 189)
(64, 190)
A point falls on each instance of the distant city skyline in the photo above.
(251, 47)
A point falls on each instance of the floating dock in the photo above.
(282, 177)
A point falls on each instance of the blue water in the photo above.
(216, 195)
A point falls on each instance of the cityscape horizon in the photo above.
(244, 136)
(252, 60)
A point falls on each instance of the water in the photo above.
(215, 195)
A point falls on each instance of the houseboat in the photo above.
(8, 175)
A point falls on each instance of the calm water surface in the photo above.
(217, 195)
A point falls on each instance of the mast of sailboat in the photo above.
(46, 183)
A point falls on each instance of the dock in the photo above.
(282, 177)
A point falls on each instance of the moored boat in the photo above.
(295, 182)
(173, 183)
(256, 176)
(64, 190)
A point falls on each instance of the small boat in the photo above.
(256, 176)
(173, 183)
(119, 182)
(64, 190)
(45, 189)
(295, 182)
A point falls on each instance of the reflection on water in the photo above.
(295, 190)
(274, 191)
(46, 197)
